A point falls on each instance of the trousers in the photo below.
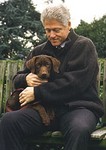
(76, 126)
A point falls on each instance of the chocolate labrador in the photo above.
(44, 66)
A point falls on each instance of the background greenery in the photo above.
(21, 30)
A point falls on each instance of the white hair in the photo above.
(58, 12)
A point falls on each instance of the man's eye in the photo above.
(56, 30)
(47, 30)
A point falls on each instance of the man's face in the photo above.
(56, 32)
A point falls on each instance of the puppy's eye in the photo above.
(37, 66)
(48, 65)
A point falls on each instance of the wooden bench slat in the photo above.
(2, 80)
(104, 93)
(99, 133)
(11, 69)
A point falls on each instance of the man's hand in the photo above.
(34, 80)
(26, 96)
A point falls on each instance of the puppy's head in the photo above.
(43, 65)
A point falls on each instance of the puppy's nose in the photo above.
(44, 76)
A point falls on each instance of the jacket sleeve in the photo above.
(80, 73)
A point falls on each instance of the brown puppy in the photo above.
(44, 66)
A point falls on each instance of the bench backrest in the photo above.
(8, 69)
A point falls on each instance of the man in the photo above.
(72, 93)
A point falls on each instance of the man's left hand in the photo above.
(26, 96)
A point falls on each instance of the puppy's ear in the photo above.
(56, 64)
(30, 64)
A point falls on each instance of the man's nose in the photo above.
(52, 34)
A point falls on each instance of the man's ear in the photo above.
(69, 25)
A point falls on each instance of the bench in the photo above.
(54, 140)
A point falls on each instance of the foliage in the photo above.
(20, 28)
(97, 32)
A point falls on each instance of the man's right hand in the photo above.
(33, 80)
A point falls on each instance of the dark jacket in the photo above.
(75, 85)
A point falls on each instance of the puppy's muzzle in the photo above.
(44, 73)
(44, 76)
